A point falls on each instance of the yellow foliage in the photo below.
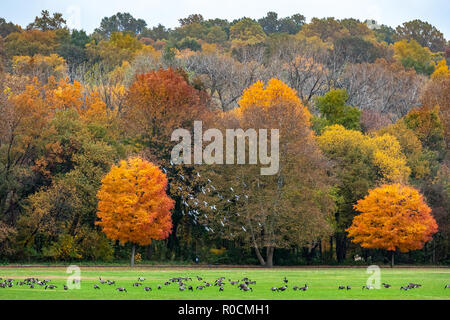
(217, 251)
(441, 71)
(384, 151)
(275, 93)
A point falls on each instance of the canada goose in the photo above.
(404, 288)
(182, 288)
(111, 282)
(96, 286)
(51, 287)
(199, 278)
(200, 288)
(285, 280)
(274, 289)
(387, 286)
(141, 279)
(247, 289)
(137, 284)
(283, 288)
(159, 287)
(166, 283)
(207, 284)
(295, 288)
(447, 286)
(31, 286)
(121, 290)
(242, 286)
(148, 289)
(101, 281)
(304, 288)
(367, 287)
(190, 288)
(349, 288)
(341, 287)
(221, 289)
(66, 288)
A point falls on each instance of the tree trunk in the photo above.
(269, 257)
(149, 252)
(341, 246)
(133, 253)
(259, 256)
(392, 258)
(331, 248)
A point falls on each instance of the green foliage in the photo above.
(291, 25)
(424, 33)
(335, 110)
(189, 43)
(120, 22)
(46, 22)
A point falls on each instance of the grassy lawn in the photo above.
(323, 284)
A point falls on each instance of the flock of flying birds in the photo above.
(186, 284)
(192, 205)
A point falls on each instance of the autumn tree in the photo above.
(360, 162)
(133, 205)
(393, 217)
(427, 125)
(223, 77)
(424, 33)
(31, 42)
(158, 103)
(292, 206)
(120, 47)
(41, 67)
(246, 32)
(327, 29)
(383, 87)
(412, 55)
(437, 93)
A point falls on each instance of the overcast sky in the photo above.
(87, 14)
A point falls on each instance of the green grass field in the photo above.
(323, 284)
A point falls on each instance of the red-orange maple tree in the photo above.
(133, 204)
(393, 217)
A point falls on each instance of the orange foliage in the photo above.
(160, 102)
(133, 205)
(394, 217)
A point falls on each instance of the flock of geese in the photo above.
(186, 284)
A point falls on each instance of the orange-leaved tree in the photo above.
(133, 204)
(393, 217)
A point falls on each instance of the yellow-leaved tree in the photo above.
(133, 204)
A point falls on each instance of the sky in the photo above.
(87, 14)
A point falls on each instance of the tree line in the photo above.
(363, 113)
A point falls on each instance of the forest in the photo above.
(363, 111)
